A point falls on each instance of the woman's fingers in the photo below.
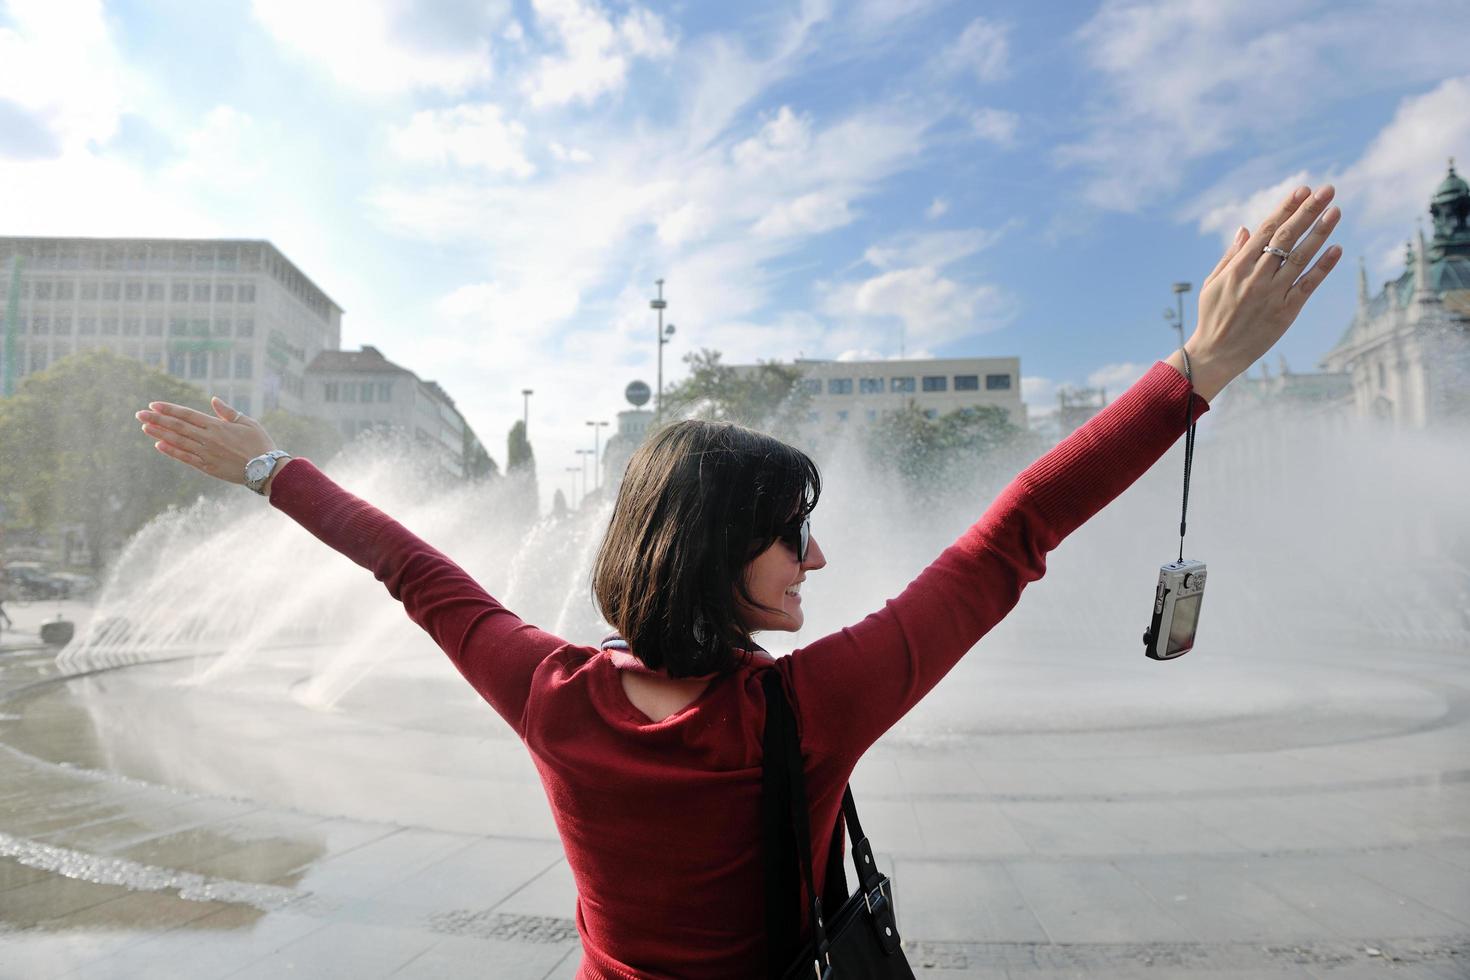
(1297, 295)
(1241, 235)
(182, 413)
(1262, 237)
(168, 423)
(180, 439)
(1289, 231)
(1302, 254)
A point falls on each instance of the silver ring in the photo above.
(1279, 252)
(238, 416)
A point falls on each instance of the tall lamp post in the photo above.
(660, 304)
(1177, 318)
(584, 453)
(597, 428)
(526, 394)
(574, 470)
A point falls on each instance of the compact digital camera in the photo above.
(1177, 600)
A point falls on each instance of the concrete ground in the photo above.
(1317, 826)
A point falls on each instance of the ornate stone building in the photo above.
(1407, 350)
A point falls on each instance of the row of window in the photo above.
(871, 414)
(907, 384)
(138, 256)
(181, 364)
(133, 326)
(65, 290)
(357, 391)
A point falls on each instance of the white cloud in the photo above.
(781, 140)
(468, 135)
(58, 65)
(1117, 378)
(363, 45)
(226, 152)
(932, 248)
(1224, 218)
(937, 208)
(996, 126)
(1180, 82)
(596, 50)
(982, 50)
(809, 214)
(569, 154)
(687, 223)
(933, 308)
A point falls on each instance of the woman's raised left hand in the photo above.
(219, 445)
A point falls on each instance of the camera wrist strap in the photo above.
(1188, 446)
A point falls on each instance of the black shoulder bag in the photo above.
(861, 941)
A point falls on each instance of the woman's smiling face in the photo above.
(774, 579)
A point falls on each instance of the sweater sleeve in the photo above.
(853, 685)
(490, 645)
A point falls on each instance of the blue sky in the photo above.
(489, 189)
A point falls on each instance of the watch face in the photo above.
(257, 469)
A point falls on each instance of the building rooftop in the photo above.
(369, 360)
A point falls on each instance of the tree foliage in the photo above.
(71, 451)
(303, 435)
(520, 469)
(770, 397)
(931, 454)
(519, 456)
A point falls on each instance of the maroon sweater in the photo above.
(661, 820)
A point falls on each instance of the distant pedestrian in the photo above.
(650, 747)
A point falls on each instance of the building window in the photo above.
(842, 415)
(245, 328)
(246, 293)
(40, 325)
(109, 326)
(153, 358)
(814, 416)
(903, 385)
(176, 365)
(155, 292)
(872, 415)
(112, 290)
(811, 386)
(132, 326)
(936, 382)
(385, 391)
(870, 386)
(177, 326)
(181, 292)
(198, 364)
(997, 382)
(329, 391)
(1382, 376)
(349, 391)
(65, 290)
(219, 363)
(224, 293)
(222, 326)
(201, 292)
(242, 404)
(367, 391)
(153, 326)
(63, 326)
(839, 386)
(45, 289)
(199, 327)
(86, 324)
(133, 292)
(967, 382)
(243, 365)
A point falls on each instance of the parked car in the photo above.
(28, 580)
(78, 586)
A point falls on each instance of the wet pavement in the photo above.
(1314, 822)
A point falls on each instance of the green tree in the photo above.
(559, 505)
(520, 470)
(769, 397)
(934, 455)
(477, 462)
(303, 435)
(71, 452)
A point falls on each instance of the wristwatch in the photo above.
(259, 469)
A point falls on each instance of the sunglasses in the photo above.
(797, 536)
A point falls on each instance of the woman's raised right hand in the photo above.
(219, 445)
(1252, 297)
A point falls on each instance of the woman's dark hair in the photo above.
(699, 500)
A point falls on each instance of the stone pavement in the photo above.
(1322, 832)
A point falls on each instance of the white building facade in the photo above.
(846, 392)
(359, 391)
(235, 317)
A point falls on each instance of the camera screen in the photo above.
(1181, 627)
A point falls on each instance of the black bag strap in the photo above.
(786, 830)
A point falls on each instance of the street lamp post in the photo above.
(584, 453)
(596, 444)
(1177, 318)
(660, 304)
(526, 394)
(574, 470)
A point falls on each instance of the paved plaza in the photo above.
(1317, 828)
